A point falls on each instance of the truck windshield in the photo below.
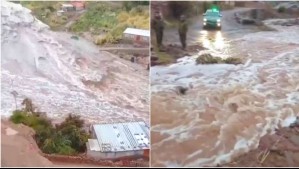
(212, 13)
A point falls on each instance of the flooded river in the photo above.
(227, 108)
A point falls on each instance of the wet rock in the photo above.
(295, 124)
(247, 21)
(182, 90)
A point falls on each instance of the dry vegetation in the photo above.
(209, 59)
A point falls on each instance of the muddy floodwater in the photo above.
(227, 108)
(63, 75)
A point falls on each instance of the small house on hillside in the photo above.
(119, 140)
(139, 36)
(67, 7)
(78, 5)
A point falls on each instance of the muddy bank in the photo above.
(277, 150)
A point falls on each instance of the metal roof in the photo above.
(117, 137)
(94, 145)
(67, 5)
(140, 32)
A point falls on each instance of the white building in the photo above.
(67, 7)
(60, 13)
(137, 35)
(117, 140)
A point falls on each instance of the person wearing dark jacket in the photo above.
(183, 29)
(158, 26)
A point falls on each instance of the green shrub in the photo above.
(67, 138)
(42, 133)
(281, 9)
(129, 5)
(101, 18)
(66, 150)
(18, 117)
(97, 17)
(71, 120)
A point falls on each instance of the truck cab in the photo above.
(212, 19)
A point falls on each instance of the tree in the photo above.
(72, 120)
(29, 107)
(128, 5)
(76, 136)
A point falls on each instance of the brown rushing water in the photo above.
(230, 107)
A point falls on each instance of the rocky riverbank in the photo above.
(277, 150)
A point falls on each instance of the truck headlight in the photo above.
(218, 20)
(204, 19)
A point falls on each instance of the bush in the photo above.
(42, 133)
(100, 18)
(209, 59)
(123, 16)
(71, 120)
(67, 138)
(18, 117)
(281, 9)
(66, 150)
(128, 5)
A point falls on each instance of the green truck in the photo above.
(212, 19)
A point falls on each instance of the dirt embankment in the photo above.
(18, 147)
(278, 150)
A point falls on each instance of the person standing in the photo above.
(183, 28)
(158, 26)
